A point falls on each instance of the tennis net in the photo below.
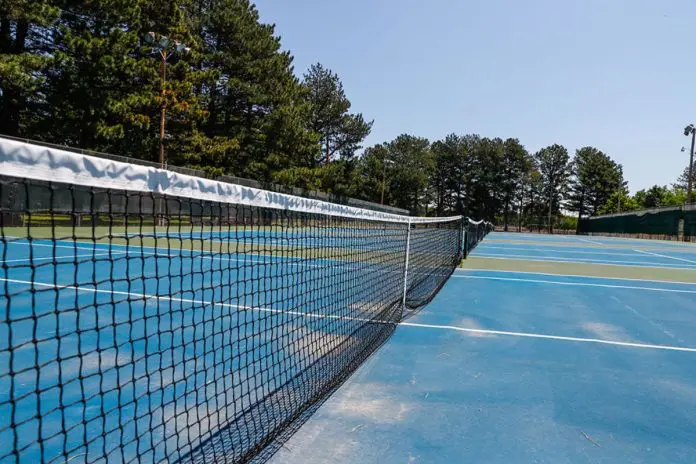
(150, 316)
(475, 232)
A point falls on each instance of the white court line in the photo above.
(215, 254)
(484, 247)
(274, 260)
(575, 260)
(658, 326)
(326, 316)
(665, 256)
(576, 284)
(462, 270)
(31, 260)
(589, 241)
(135, 250)
(550, 337)
(580, 261)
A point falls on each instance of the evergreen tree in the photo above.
(340, 131)
(555, 168)
(412, 167)
(596, 177)
(516, 163)
(253, 102)
(26, 28)
(683, 180)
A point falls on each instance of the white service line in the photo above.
(571, 260)
(576, 284)
(593, 262)
(31, 260)
(665, 256)
(325, 316)
(589, 241)
(135, 250)
(505, 271)
(549, 337)
(485, 247)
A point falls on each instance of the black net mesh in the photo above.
(145, 328)
(474, 232)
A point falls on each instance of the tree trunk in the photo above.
(582, 203)
(505, 214)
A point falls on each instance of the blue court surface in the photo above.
(140, 351)
(591, 250)
(508, 367)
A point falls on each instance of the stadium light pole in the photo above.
(166, 47)
(690, 130)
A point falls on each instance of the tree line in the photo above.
(80, 73)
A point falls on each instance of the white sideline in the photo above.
(550, 337)
(577, 284)
(665, 256)
(594, 263)
(463, 270)
(404, 324)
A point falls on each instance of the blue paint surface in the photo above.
(434, 394)
(675, 255)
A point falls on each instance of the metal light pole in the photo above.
(690, 130)
(166, 48)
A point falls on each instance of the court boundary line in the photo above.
(625, 241)
(31, 260)
(463, 269)
(146, 296)
(550, 337)
(588, 241)
(584, 260)
(577, 284)
(483, 247)
(665, 256)
(203, 254)
(580, 262)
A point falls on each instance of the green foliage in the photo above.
(596, 177)
(657, 196)
(555, 168)
(516, 163)
(233, 104)
(79, 73)
(340, 132)
(25, 52)
(337, 177)
(411, 167)
(683, 179)
(567, 223)
(654, 197)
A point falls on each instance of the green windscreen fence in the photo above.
(690, 223)
(668, 223)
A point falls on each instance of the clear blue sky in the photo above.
(615, 74)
